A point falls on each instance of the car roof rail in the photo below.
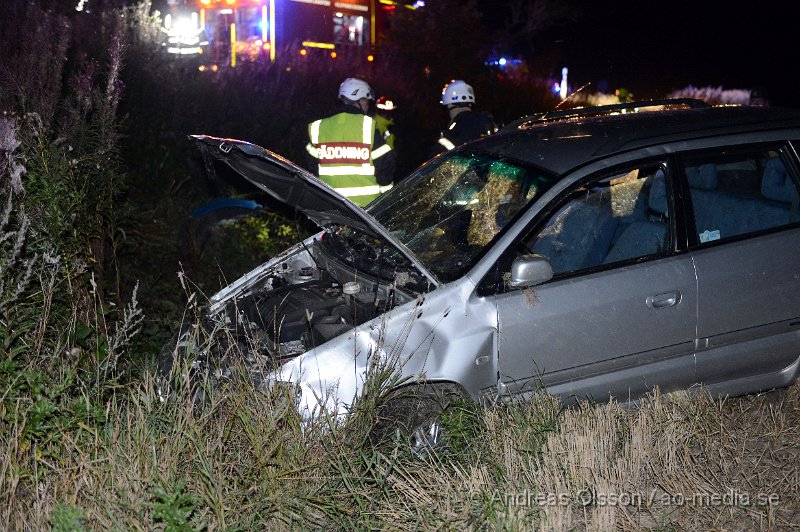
(550, 116)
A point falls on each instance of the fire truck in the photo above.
(225, 32)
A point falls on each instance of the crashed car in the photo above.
(593, 253)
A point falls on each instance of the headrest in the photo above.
(776, 184)
(703, 177)
(658, 193)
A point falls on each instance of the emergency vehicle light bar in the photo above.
(312, 44)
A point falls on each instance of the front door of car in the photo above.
(745, 247)
(618, 318)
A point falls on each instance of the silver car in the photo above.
(592, 253)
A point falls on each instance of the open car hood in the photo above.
(296, 187)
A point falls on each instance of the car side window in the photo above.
(616, 218)
(738, 193)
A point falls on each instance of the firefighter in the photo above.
(465, 123)
(384, 107)
(348, 151)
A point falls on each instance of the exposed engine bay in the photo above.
(312, 294)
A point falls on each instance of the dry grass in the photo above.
(672, 462)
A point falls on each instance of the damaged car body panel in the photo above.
(588, 256)
(369, 286)
(422, 340)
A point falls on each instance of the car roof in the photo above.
(562, 143)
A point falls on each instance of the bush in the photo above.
(62, 338)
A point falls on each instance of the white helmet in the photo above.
(457, 91)
(385, 104)
(354, 89)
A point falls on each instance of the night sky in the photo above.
(652, 47)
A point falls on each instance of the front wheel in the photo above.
(416, 414)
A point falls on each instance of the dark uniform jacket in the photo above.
(466, 126)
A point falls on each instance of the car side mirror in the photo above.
(530, 270)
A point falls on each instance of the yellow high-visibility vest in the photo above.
(342, 145)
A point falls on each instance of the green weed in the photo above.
(174, 508)
(67, 518)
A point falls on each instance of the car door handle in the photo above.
(667, 299)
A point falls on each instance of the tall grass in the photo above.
(248, 462)
(714, 95)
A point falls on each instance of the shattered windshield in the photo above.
(449, 210)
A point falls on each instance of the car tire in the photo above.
(414, 414)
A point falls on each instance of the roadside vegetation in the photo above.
(245, 462)
(100, 264)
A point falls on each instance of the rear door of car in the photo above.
(746, 248)
(618, 318)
